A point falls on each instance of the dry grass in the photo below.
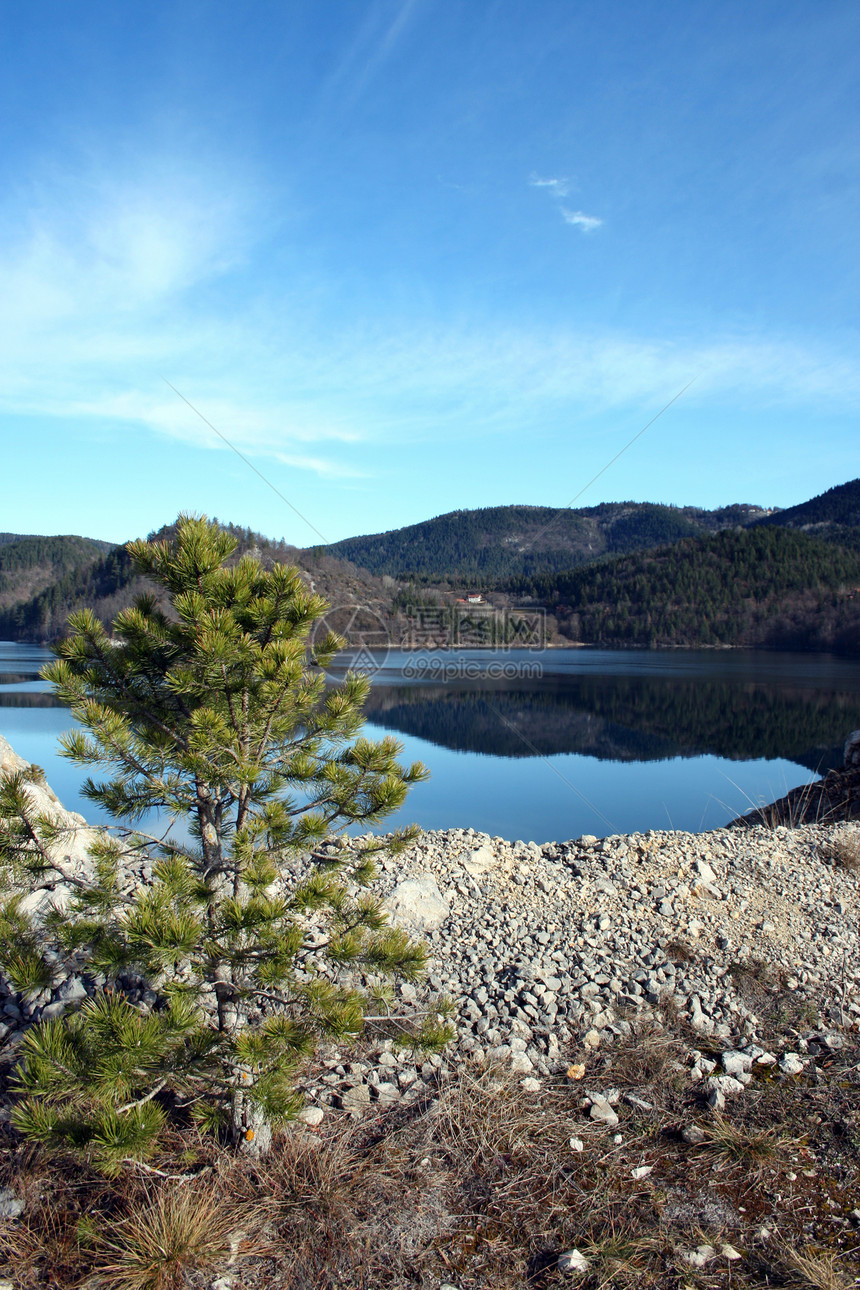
(821, 1271)
(182, 1229)
(845, 849)
(749, 1149)
(478, 1186)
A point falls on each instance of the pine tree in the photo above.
(214, 712)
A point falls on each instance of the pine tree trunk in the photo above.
(251, 1129)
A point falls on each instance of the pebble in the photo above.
(601, 1111)
(11, 1205)
(790, 1064)
(572, 1261)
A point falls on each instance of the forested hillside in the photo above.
(108, 583)
(834, 515)
(30, 564)
(766, 586)
(483, 546)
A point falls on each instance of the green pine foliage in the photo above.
(215, 712)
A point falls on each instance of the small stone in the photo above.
(576, 1144)
(11, 1206)
(638, 1102)
(717, 1099)
(530, 1084)
(601, 1111)
(312, 1116)
(572, 1261)
(790, 1064)
(642, 1171)
(355, 1100)
(855, 1217)
(729, 1252)
(701, 1257)
(693, 1134)
(592, 1039)
(222, 1283)
(577, 1071)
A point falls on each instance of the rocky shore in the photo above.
(544, 948)
(749, 938)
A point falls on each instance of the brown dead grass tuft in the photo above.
(845, 849)
(182, 1229)
(817, 1269)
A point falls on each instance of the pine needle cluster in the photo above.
(252, 938)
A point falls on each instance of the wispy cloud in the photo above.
(557, 187)
(588, 223)
(383, 26)
(107, 295)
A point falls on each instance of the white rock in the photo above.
(530, 1085)
(700, 1257)
(791, 1064)
(418, 903)
(729, 1252)
(642, 1171)
(572, 1261)
(312, 1116)
(576, 1144)
(481, 861)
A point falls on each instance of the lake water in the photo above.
(545, 745)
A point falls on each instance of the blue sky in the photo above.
(416, 255)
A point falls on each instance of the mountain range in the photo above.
(616, 573)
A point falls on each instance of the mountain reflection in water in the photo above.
(598, 741)
(624, 718)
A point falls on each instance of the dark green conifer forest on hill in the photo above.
(616, 574)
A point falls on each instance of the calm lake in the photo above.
(545, 745)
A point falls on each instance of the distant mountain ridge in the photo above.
(834, 515)
(500, 541)
(614, 574)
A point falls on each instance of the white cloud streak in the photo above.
(104, 300)
(556, 187)
(559, 189)
(588, 223)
